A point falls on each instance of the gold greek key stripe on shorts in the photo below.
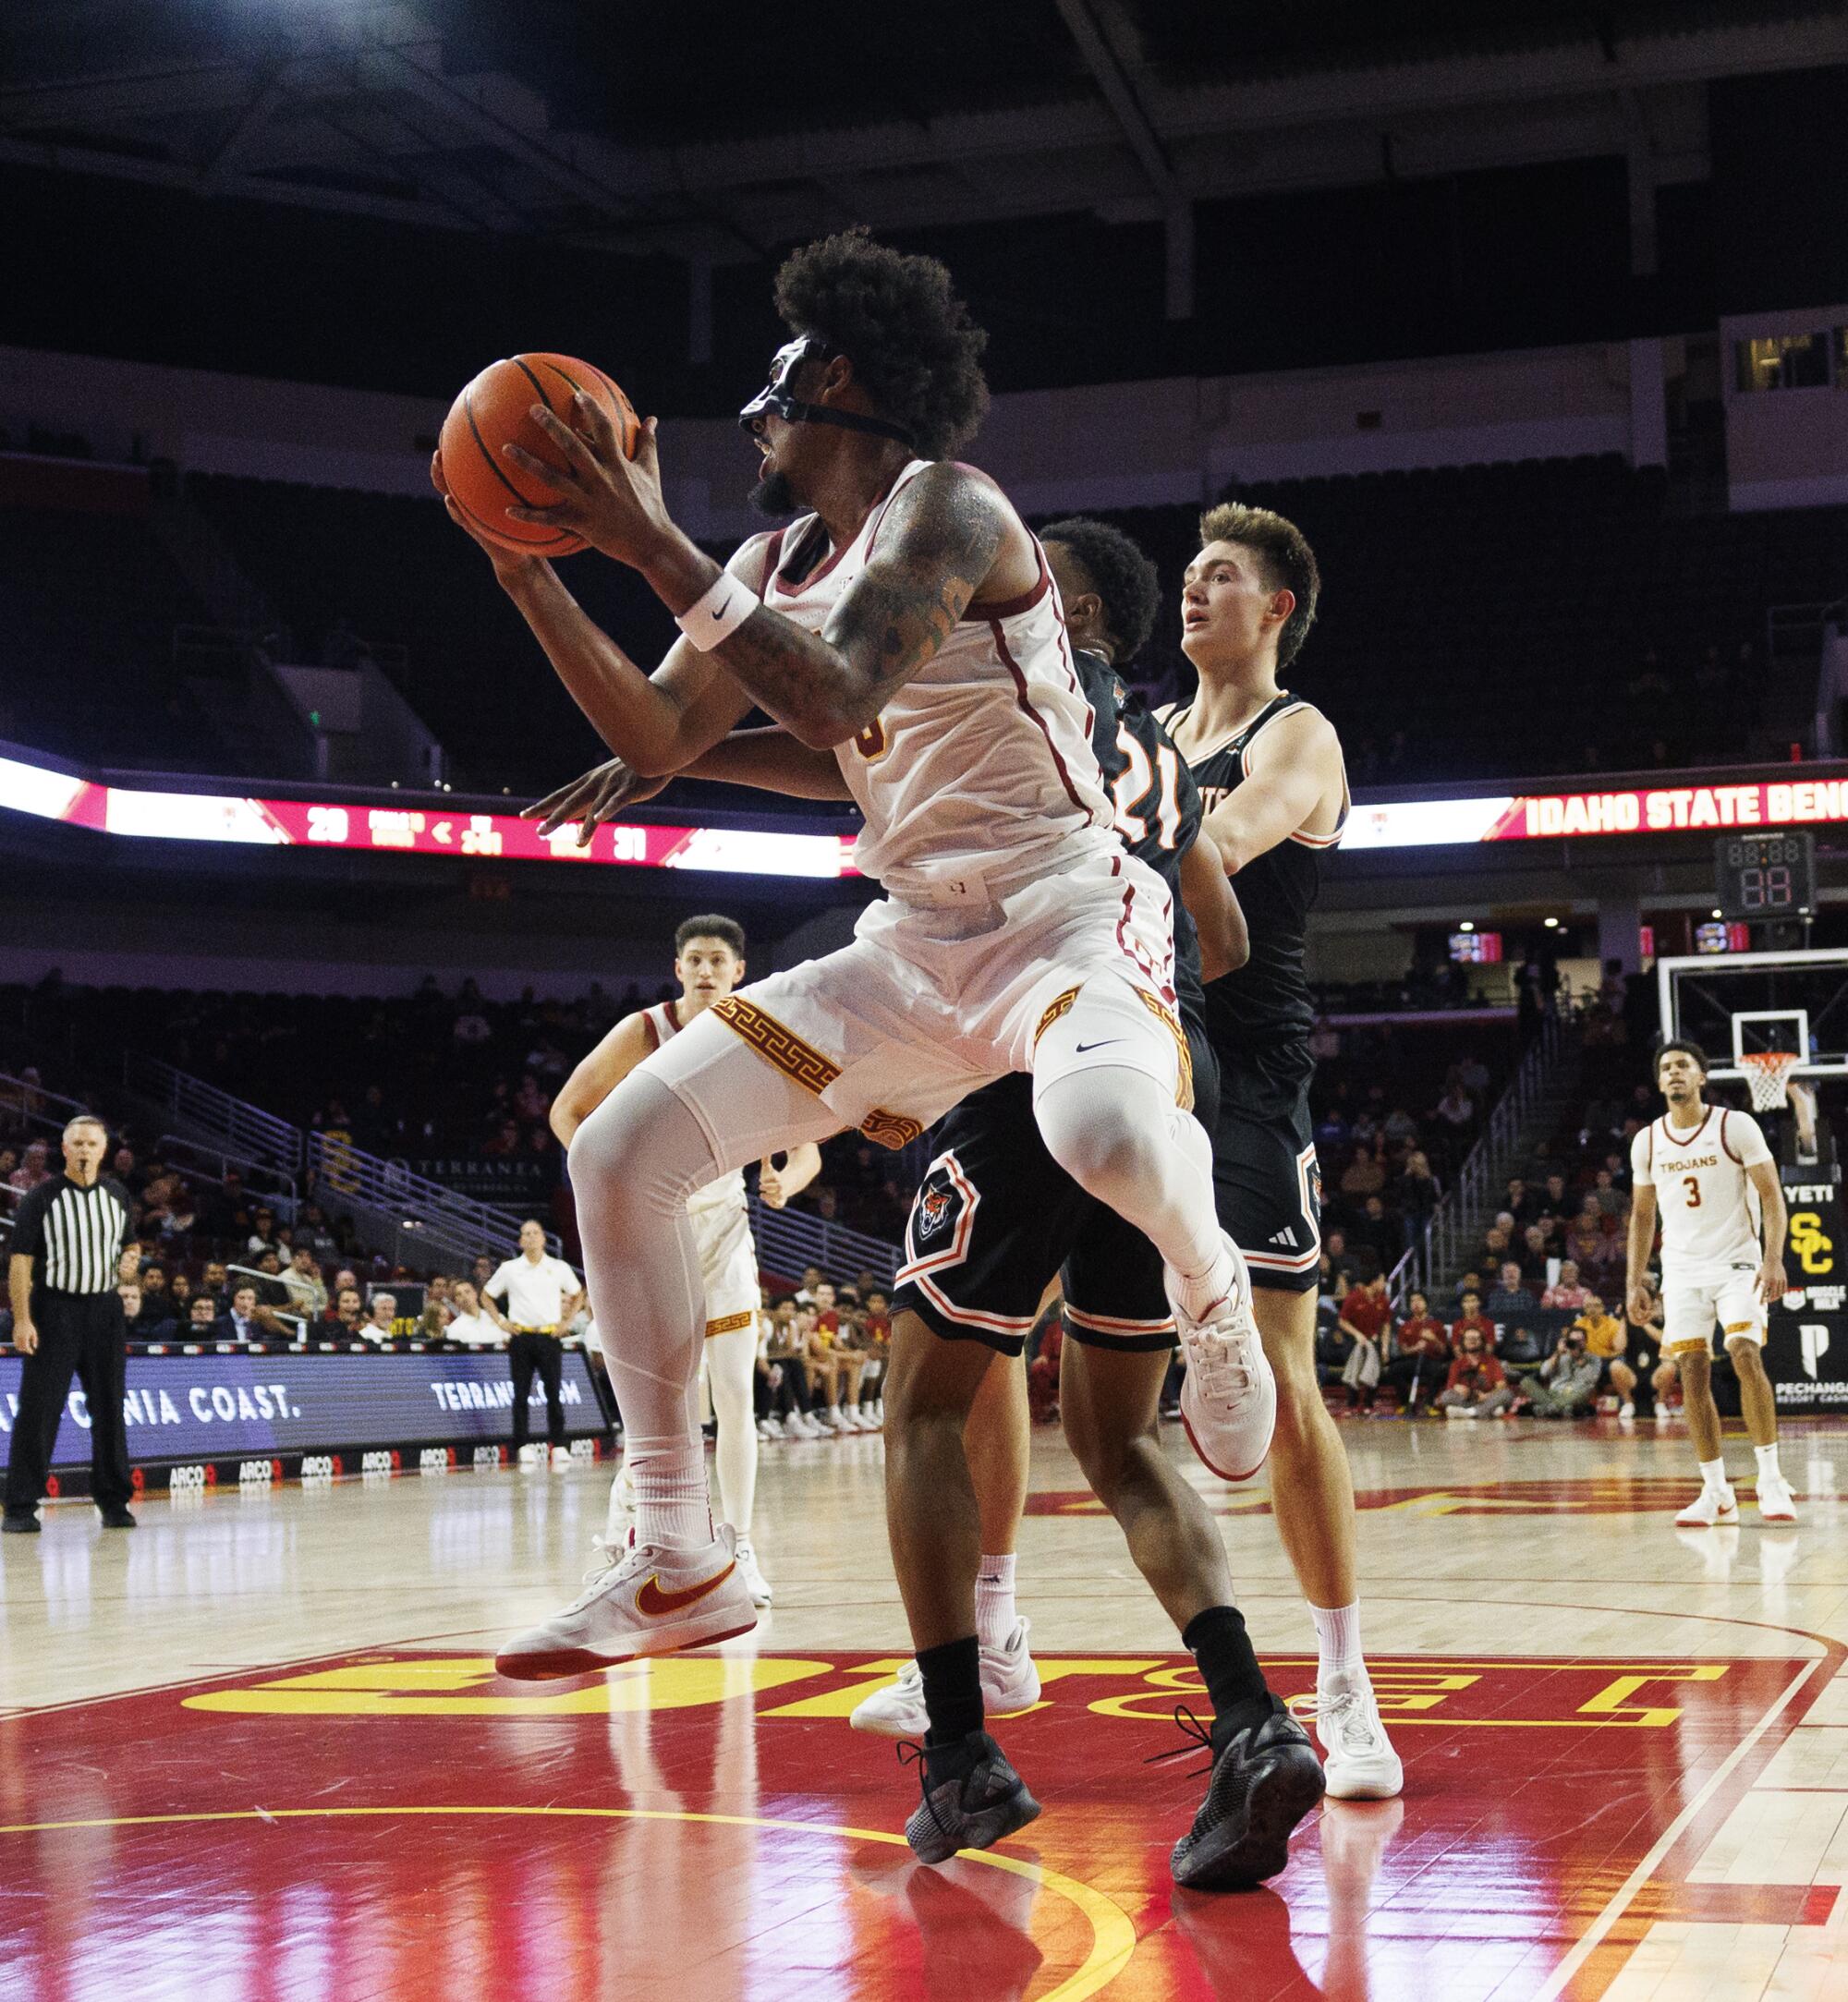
(891, 1129)
(1062, 1006)
(776, 1044)
(1184, 1083)
(729, 1324)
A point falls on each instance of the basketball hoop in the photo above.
(1767, 1075)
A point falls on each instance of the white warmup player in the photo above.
(908, 622)
(1712, 1174)
(708, 961)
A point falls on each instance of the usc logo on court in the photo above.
(1813, 1251)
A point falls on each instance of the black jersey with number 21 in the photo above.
(1158, 804)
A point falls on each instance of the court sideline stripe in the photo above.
(1601, 1928)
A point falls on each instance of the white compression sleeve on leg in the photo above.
(633, 1163)
(1103, 1094)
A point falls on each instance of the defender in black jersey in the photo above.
(1271, 774)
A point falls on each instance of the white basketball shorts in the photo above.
(728, 1267)
(931, 1001)
(1693, 1303)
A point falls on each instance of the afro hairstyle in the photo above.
(914, 348)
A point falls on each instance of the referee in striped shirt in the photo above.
(67, 1318)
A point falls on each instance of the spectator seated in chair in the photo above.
(1421, 1362)
(1567, 1295)
(1471, 1318)
(241, 1323)
(1511, 1298)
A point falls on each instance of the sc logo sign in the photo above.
(1811, 1249)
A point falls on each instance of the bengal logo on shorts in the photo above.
(933, 1211)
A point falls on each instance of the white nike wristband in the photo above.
(720, 612)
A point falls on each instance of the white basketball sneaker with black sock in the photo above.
(1711, 1506)
(1009, 1683)
(643, 1601)
(1229, 1396)
(1358, 1761)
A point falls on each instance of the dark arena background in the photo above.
(1533, 318)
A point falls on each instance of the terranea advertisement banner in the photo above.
(198, 1407)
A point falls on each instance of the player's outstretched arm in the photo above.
(1774, 1231)
(1291, 767)
(1638, 1301)
(1212, 903)
(598, 1076)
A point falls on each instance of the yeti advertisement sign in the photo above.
(1806, 1356)
(200, 1407)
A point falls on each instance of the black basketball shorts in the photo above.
(996, 1219)
(1265, 1179)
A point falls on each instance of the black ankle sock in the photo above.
(1218, 1642)
(953, 1698)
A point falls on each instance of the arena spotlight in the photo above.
(1552, 924)
(1468, 924)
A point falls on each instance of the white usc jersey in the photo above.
(1710, 1215)
(720, 1205)
(979, 769)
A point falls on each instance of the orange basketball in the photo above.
(494, 410)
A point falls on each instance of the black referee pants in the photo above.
(528, 1351)
(83, 1335)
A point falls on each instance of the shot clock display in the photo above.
(1765, 876)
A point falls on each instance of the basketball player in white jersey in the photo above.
(708, 961)
(906, 622)
(1710, 1174)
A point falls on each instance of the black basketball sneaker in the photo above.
(988, 1801)
(1264, 1781)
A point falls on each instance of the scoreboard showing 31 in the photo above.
(1761, 877)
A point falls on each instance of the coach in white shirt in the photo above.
(541, 1294)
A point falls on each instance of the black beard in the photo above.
(773, 495)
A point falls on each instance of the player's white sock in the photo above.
(731, 1366)
(1117, 1132)
(1337, 1639)
(1713, 1475)
(1767, 1456)
(995, 1615)
(672, 1509)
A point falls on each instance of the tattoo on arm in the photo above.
(939, 541)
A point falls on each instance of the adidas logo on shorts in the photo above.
(1287, 1236)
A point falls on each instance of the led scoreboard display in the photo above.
(1765, 876)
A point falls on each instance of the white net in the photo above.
(1767, 1075)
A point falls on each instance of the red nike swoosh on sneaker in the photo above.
(654, 1603)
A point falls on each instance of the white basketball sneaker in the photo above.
(755, 1583)
(1710, 1507)
(1229, 1397)
(1777, 1499)
(643, 1601)
(1009, 1683)
(1359, 1763)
